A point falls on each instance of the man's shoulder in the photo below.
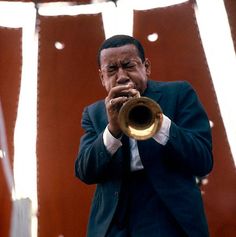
(97, 103)
(168, 84)
(169, 88)
(96, 106)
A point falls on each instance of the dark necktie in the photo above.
(122, 209)
(126, 154)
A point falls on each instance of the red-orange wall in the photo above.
(10, 72)
(68, 80)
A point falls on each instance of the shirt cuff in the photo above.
(162, 136)
(111, 143)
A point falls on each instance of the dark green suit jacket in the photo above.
(171, 168)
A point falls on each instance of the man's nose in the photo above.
(122, 77)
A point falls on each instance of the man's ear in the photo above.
(101, 77)
(147, 65)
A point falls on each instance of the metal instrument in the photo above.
(139, 118)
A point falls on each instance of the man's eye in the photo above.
(111, 69)
(130, 65)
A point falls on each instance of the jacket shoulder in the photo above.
(96, 106)
(170, 84)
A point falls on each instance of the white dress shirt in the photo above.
(112, 144)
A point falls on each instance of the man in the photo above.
(144, 188)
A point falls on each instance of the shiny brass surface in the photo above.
(139, 118)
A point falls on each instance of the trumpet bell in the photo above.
(139, 118)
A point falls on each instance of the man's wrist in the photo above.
(117, 133)
(162, 136)
(111, 143)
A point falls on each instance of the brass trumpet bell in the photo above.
(139, 118)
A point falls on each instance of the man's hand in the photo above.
(117, 96)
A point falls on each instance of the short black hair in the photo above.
(118, 41)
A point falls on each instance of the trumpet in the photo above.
(139, 117)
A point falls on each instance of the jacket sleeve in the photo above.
(190, 141)
(94, 164)
(189, 148)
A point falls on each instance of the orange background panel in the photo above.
(68, 80)
(10, 65)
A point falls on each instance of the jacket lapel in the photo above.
(103, 120)
(153, 91)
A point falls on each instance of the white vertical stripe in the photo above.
(219, 50)
(25, 162)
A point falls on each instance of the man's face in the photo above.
(122, 65)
